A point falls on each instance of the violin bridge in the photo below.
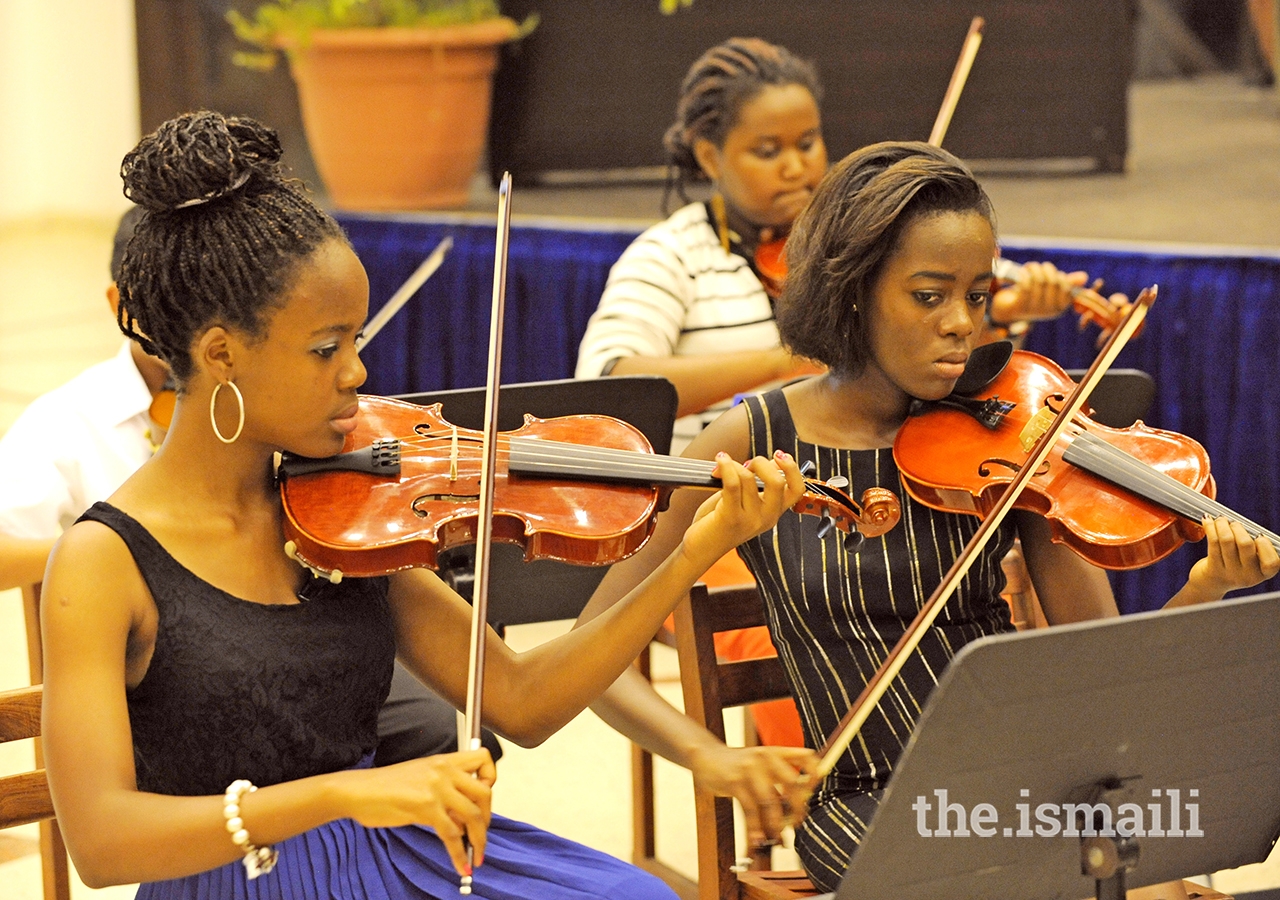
(1035, 427)
(453, 453)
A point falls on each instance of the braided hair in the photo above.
(850, 228)
(713, 93)
(221, 237)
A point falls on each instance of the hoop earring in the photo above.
(722, 219)
(213, 418)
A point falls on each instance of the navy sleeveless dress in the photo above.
(835, 615)
(270, 693)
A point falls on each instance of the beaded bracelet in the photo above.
(257, 860)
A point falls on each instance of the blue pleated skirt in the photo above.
(343, 860)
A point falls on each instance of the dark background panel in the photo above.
(595, 85)
(184, 63)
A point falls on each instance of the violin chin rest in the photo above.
(984, 365)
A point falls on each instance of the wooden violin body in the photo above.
(950, 460)
(578, 489)
(364, 524)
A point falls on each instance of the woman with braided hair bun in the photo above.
(210, 708)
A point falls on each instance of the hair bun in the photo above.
(198, 157)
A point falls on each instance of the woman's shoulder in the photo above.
(91, 563)
(685, 231)
(730, 432)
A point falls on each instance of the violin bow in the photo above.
(1052, 430)
(404, 292)
(959, 75)
(470, 737)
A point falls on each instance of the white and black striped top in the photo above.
(675, 292)
(835, 615)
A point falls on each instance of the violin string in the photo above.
(602, 462)
(1116, 465)
(606, 459)
(1120, 467)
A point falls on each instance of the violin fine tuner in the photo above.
(291, 551)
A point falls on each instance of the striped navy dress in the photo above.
(835, 615)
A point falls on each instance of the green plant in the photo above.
(277, 24)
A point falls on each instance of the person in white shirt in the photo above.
(74, 445)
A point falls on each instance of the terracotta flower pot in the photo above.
(397, 117)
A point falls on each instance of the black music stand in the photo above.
(545, 590)
(1122, 396)
(1102, 712)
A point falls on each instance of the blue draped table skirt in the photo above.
(1210, 342)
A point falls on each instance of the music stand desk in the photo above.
(1177, 700)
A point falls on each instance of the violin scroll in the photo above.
(1092, 307)
(878, 513)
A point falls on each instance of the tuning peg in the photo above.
(807, 468)
(853, 541)
(839, 482)
(825, 525)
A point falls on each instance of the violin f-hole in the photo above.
(984, 467)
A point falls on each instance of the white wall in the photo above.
(68, 106)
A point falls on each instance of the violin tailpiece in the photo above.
(382, 457)
(989, 412)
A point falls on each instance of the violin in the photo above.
(1040, 451)
(578, 489)
(771, 265)
(1122, 498)
(162, 403)
(1085, 301)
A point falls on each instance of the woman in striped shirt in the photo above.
(684, 300)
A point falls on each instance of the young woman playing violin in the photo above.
(685, 300)
(888, 289)
(207, 703)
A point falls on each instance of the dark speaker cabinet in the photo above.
(595, 86)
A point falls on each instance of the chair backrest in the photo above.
(711, 686)
(545, 590)
(31, 616)
(24, 797)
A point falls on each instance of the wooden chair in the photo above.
(644, 822)
(24, 797)
(710, 687)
